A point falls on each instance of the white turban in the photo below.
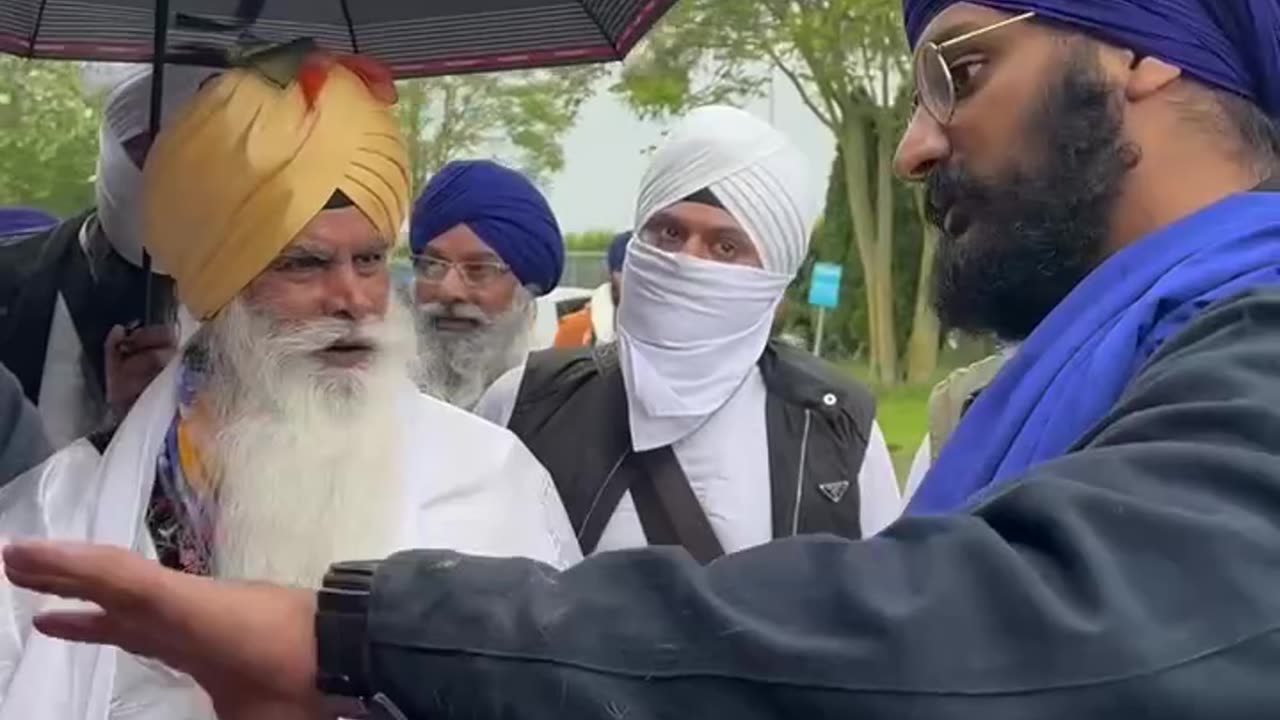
(757, 173)
(127, 115)
(690, 329)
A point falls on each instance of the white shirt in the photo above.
(727, 464)
(920, 465)
(467, 485)
(65, 405)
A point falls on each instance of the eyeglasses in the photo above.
(935, 87)
(474, 273)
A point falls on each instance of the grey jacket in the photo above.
(1136, 577)
(23, 444)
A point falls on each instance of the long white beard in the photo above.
(458, 367)
(307, 457)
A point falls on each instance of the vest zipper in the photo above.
(804, 451)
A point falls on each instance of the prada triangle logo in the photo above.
(834, 491)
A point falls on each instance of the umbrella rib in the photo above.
(35, 30)
(351, 26)
(595, 19)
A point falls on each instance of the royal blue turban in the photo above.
(24, 221)
(503, 208)
(1230, 44)
(618, 251)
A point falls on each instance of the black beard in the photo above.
(1033, 236)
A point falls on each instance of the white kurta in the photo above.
(727, 463)
(467, 484)
(65, 404)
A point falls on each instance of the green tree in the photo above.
(848, 61)
(520, 115)
(847, 326)
(48, 136)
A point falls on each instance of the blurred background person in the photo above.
(77, 292)
(485, 245)
(594, 322)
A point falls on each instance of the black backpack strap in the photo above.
(669, 511)
(603, 506)
(619, 480)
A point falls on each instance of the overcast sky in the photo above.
(605, 151)
(604, 156)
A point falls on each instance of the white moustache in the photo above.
(317, 335)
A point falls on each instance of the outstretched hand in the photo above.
(252, 647)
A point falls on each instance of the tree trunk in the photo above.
(887, 361)
(922, 348)
(857, 181)
(413, 107)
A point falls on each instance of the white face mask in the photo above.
(690, 331)
(119, 197)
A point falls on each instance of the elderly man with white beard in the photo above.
(288, 434)
(694, 429)
(485, 245)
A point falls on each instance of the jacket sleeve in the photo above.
(23, 443)
(1134, 577)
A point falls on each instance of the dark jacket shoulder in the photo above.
(799, 378)
(794, 375)
(1135, 576)
(23, 443)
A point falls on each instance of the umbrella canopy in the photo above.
(414, 37)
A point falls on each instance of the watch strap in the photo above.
(342, 631)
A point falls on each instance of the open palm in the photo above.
(252, 647)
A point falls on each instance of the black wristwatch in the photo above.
(342, 635)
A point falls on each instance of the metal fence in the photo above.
(584, 270)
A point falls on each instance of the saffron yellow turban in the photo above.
(233, 180)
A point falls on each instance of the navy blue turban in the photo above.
(24, 221)
(618, 251)
(1230, 44)
(502, 207)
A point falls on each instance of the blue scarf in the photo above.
(1074, 367)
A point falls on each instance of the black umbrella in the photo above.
(415, 38)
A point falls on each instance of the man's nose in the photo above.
(452, 288)
(697, 246)
(923, 146)
(349, 294)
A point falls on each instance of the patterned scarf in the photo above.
(183, 510)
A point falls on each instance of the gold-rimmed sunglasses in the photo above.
(935, 87)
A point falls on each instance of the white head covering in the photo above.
(756, 172)
(126, 115)
(690, 330)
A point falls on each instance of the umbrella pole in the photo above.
(159, 47)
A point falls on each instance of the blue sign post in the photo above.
(824, 294)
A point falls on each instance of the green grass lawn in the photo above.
(902, 416)
(901, 412)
